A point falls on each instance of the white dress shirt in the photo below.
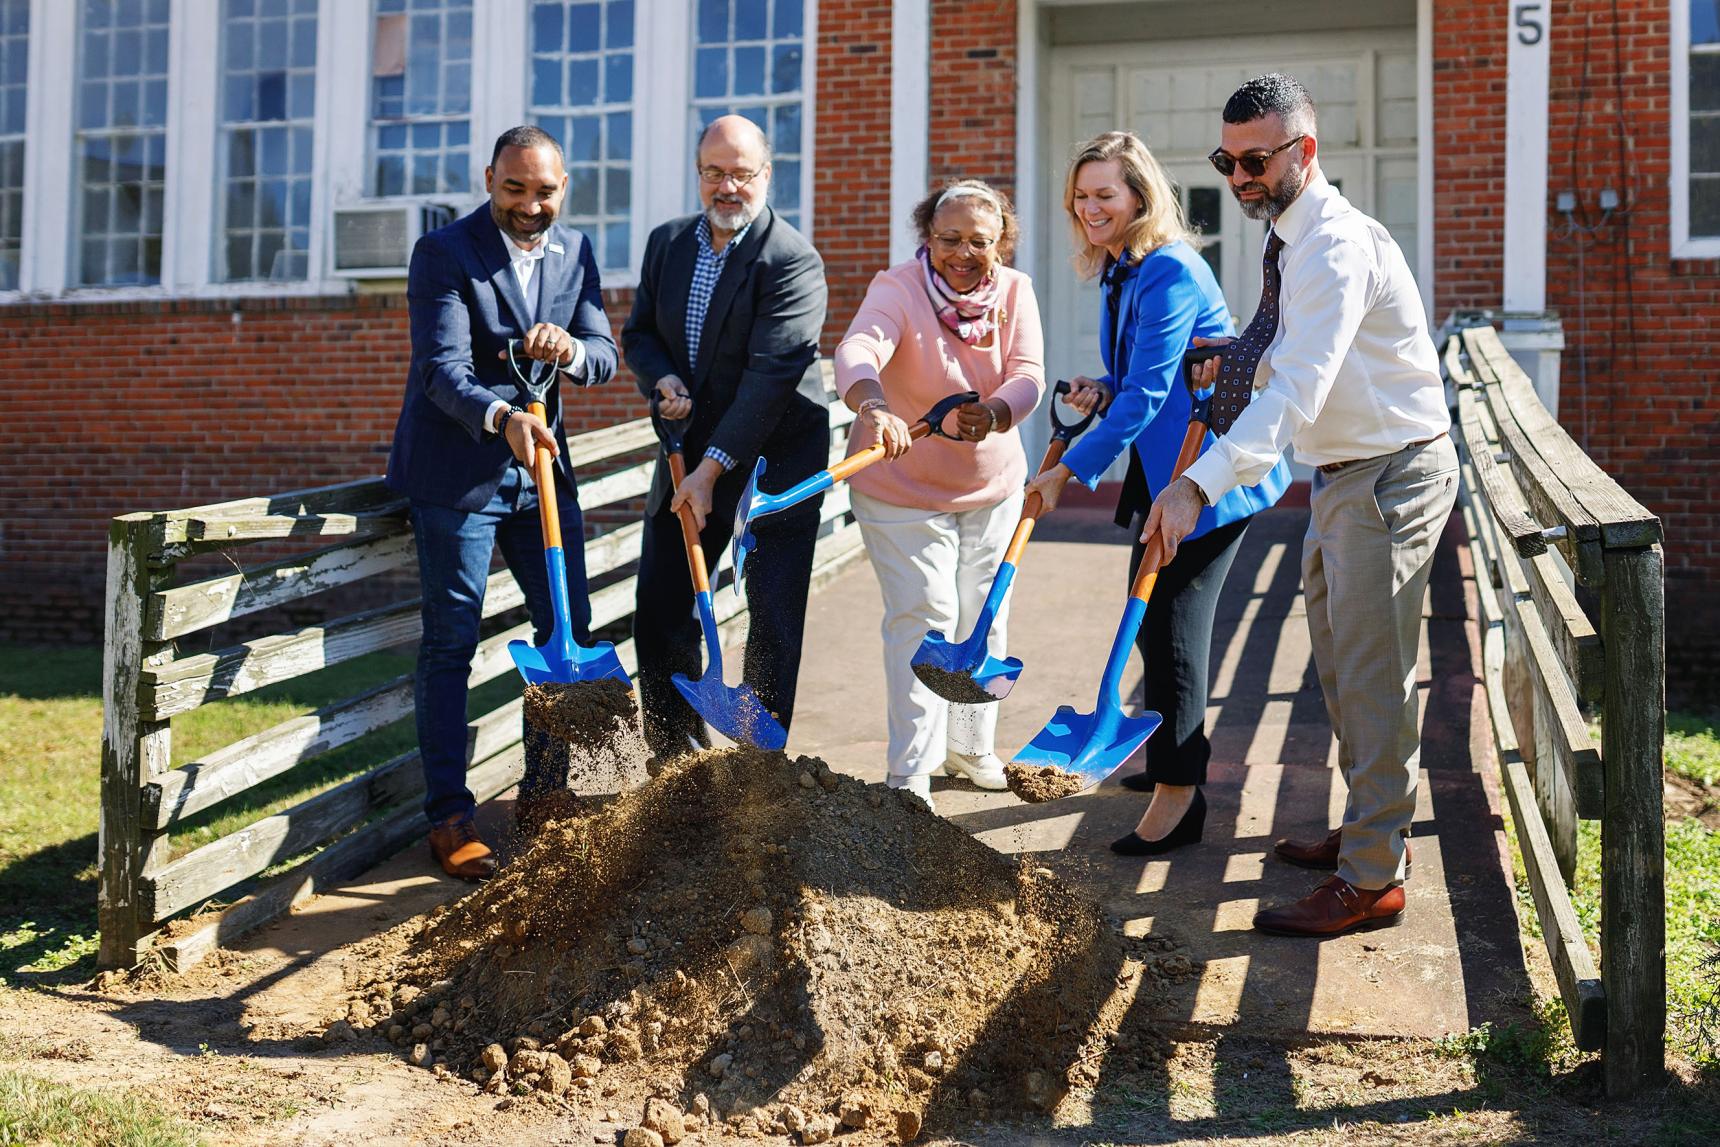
(525, 263)
(1352, 372)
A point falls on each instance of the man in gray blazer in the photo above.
(724, 331)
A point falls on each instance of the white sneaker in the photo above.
(985, 771)
(920, 786)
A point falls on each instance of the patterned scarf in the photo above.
(968, 315)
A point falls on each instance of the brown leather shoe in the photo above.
(458, 849)
(1335, 907)
(1323, 854)
(532, 813)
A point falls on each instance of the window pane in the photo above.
(14, 63)
(1705, 208)
(590, 47)
(121, 142)
(749, 60)
(1704, 144)
(421, 77)
(1705, 21)
(266, 168)
(1705, 81)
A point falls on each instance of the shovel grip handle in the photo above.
(543, 473)
(690, 530)
(861, 459)
(1154, 557)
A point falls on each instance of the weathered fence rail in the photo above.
(1541, 518)
(345, 829)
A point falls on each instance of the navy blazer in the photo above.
(465, 304)
(757, 389)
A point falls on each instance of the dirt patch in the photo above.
(761, 942)
(959, 688)
(1037, 784)
(1685, 797)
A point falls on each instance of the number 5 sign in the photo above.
(1528, 183)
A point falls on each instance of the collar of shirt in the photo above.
(1295, 219)
(704, 233)
(518, 254)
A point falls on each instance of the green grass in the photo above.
(50, 785)
(37, 1111)
(1693, 747)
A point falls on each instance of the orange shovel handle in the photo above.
(690, 530)
(1154, 558)
(543, 473)
(1034, 506)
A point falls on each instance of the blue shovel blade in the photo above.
(1085, 746)
(742, 542)
(540, 665)
(734, 711)
(938, 660)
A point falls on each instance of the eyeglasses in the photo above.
(740, 178)
(1253, 162)
(950, 244)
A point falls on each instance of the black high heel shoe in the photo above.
(1137, 783)
(1187, 831)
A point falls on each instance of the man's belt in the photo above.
(1334, 467)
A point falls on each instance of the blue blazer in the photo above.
(465, 304)
(1169, 299)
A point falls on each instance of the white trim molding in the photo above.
(1683, 244)
(910, 117)
(1528, 54)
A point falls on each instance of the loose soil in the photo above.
(761, 941)
(1037, 784)
(959, 688)
(585, 715)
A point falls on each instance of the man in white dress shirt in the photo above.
(1345, 371)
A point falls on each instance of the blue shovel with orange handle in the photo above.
(964, 672)
(735, 711)
(755, 504)
(1091, 746)
(560, 660)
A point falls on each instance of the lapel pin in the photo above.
(556, 249)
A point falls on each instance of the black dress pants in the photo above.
(668, 640)
(1176, 643)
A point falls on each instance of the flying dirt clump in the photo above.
(758, 940)
(586, 715)
(1037, 784)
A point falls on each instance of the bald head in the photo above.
(734, 174)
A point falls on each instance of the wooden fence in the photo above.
(1543, 520)
(346, 829)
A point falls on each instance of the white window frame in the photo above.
(662, 143)
(1684, 245)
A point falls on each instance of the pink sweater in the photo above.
(896, 338)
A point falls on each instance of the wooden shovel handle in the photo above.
(861, 459)
(1034, 506)
(1154, 558)
(690, 530)
(543, 473)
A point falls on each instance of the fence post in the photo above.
(133, 750)
(1633, 831)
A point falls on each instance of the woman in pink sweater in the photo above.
(936, 519)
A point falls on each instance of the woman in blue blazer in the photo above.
(1159, 294)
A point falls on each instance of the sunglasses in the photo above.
(1254, 162)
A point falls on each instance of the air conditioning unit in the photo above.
(375, 241)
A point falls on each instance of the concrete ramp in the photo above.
(1455, 962)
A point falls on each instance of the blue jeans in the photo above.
(454, 551)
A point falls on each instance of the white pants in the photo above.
(935, 568)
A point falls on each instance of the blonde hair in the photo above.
(1160, 220)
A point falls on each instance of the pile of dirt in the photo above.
(1037, 784)
(760, 941)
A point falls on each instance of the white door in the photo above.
(1171, 94)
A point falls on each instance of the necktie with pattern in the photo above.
(1242, 358)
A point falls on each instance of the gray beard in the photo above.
(729, 218)
(1276, 201)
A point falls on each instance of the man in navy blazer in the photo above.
(724, 330)
(463, 447)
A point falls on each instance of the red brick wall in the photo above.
(973, 92)
(1637, 379)
(851, 176)
(184, 403)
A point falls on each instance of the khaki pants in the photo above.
(935, 568)
(1372, 532)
